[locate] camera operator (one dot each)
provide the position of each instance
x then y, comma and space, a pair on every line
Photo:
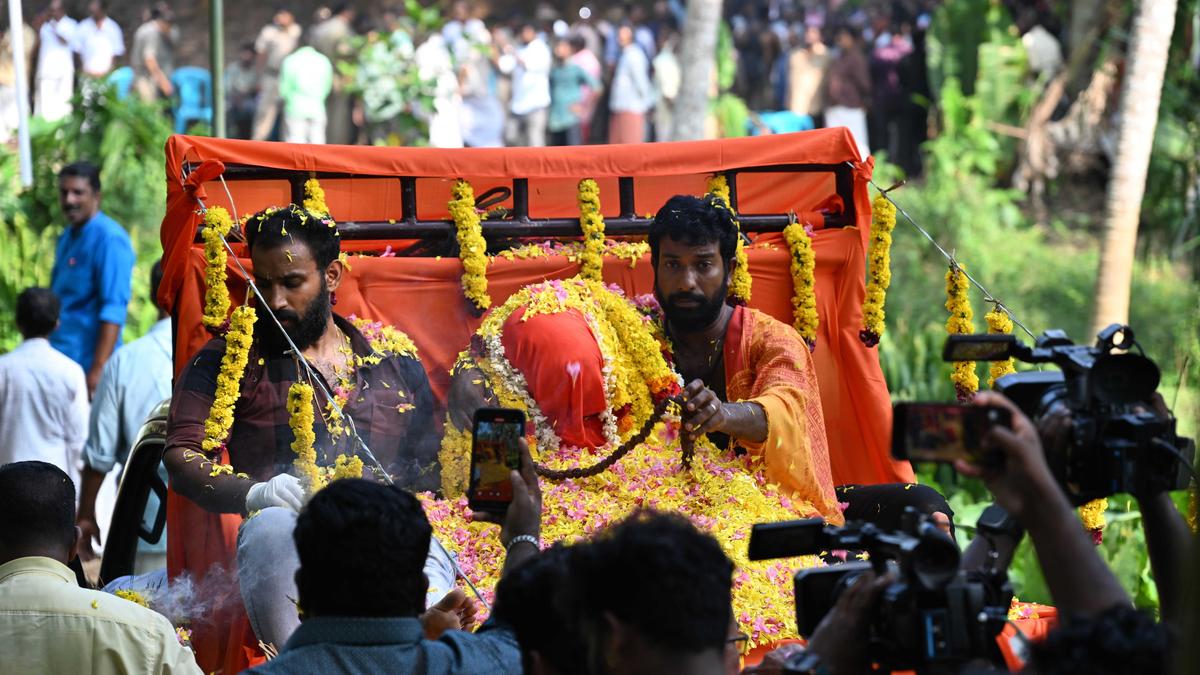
1168, 538
1101, 632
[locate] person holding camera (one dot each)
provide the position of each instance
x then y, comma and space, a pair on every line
1101, 632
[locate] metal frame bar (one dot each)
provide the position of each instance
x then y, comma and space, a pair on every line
519, 224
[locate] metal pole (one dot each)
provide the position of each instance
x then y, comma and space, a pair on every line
16, 24
216, 43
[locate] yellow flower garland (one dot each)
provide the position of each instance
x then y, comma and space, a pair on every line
347, 467
740, 282
300, 419
804, 300
1092, 516
879, 269
217, 224
132, 596
471, 244
314, 198
591, 221
229, 380
966, 381
999, 322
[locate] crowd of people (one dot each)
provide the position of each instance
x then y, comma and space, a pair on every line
605, 74
350, 577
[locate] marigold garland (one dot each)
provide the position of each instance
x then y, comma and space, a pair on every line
740, 282
347, 467
804, 300
1092, 516
999, 323
229, 379
314, 198
132, 596
472, 247
301, 419
591, 221
966, 381
217, 225
879, 269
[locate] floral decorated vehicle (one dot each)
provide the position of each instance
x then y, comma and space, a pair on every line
435, 238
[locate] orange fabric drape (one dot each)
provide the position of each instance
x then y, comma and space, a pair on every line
423, 296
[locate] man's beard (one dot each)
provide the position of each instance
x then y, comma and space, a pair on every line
690, 319
304, 329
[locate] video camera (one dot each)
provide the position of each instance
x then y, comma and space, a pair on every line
934, 617
1117, 444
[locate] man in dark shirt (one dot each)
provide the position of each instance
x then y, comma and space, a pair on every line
382, 388
372, 372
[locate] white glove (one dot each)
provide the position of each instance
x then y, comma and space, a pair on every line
282, 490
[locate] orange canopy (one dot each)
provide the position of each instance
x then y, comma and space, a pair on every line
422, 296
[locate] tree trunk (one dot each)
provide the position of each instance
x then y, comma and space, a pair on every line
697, 52
1153, 23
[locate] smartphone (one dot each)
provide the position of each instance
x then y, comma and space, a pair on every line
943, 432
495, 451
786, 539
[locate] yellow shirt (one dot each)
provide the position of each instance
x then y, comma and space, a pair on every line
51, 625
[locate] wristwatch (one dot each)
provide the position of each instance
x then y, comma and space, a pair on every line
996, 521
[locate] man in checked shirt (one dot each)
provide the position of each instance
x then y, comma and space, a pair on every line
379, 384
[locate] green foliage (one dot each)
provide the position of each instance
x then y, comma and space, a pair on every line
1046, 276
21, 249
1170, 220
397, 100
957, 30
125, 139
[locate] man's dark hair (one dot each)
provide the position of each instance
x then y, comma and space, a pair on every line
37, 507
657, 573
37, 312
1118, 640
82, 169
695, 221
362, 548
532, 599
577, 42
274, 227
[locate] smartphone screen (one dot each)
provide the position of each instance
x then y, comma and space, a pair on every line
495, 451
943, 432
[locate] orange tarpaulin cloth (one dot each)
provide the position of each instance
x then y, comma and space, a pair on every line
423, 296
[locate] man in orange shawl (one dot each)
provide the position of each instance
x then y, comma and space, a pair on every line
749, 378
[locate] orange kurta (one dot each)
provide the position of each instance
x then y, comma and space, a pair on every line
767, 362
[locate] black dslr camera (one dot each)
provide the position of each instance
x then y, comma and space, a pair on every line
1117, 444
933, 618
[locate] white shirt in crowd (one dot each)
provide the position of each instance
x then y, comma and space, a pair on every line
98, 45
530, 68
55, 58
43, 407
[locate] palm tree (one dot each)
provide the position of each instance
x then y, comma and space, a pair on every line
697, 50
1153, 23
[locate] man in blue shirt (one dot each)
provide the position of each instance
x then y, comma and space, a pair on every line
93, 263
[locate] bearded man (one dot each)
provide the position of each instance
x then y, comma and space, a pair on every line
750, 379
381, 387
